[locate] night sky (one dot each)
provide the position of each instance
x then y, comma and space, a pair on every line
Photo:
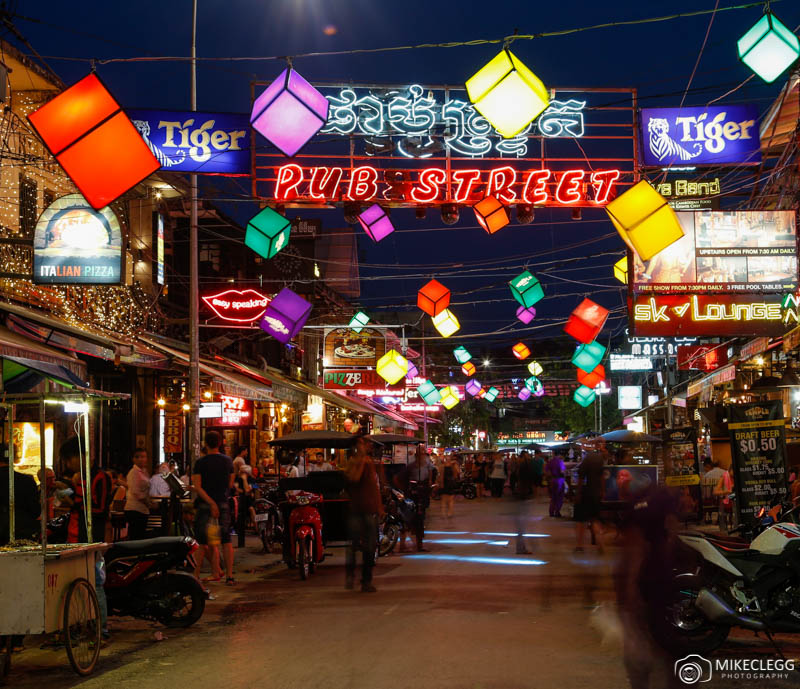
657, 59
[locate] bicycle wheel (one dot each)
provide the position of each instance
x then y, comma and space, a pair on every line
82, 626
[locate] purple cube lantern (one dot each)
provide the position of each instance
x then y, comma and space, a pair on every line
524, 394
413, 371
539, 391
286, 315
526, 315
289, 112
473, 387
375, 222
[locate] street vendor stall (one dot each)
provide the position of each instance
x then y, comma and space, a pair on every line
46, 588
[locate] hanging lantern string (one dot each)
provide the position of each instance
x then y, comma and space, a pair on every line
421, 46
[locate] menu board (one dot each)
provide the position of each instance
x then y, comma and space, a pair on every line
682, 470
758, 450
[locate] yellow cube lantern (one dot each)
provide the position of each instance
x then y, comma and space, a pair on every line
468, 369
392, 366
644, 220
450, 397
621, 270
446, 323
507, 94
535, 368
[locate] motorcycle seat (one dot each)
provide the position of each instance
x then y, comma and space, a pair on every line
148, 545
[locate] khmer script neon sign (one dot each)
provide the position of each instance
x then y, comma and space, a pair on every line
415, 124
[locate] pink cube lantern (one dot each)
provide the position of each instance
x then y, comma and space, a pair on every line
526, 315
473, 387
375, 222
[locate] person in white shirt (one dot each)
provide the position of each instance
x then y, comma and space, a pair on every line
296, 470
159, 488
320, 464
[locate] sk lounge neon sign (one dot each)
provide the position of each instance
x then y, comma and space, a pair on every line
238, 306
539, 186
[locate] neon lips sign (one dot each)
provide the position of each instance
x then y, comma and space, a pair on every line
539, 186
238, 306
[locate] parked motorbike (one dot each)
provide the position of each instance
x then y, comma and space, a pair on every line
303, 540
143, 580
734, 584
399, 516
268, 519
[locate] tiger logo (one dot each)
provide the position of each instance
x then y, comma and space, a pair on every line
662, 145
143, 127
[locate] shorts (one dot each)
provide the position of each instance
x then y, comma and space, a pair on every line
587, 510
203, 518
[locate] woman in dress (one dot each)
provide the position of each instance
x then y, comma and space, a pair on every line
448, 485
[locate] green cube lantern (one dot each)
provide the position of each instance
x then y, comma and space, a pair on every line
462, 355
358, 322
491, 394
588, 356
584, 396
267, 233
527, 289
768, 48
429, 392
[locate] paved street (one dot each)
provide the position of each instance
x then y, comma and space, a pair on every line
441, 620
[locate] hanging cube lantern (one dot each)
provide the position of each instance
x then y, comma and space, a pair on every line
481, 392
588, 356
286, 315
593, 377
375, 222
491, 394
644, 220
446, 323
468, 369
450, 396
621, 270
358, 321
521, 351
586, 321
584, 396
289, 112
527, 290
267, 232
433, 298
473, 387
429, 392
539, 391
413, 371
526, 315
768, 48
392, 366
533, 384
507, 93
462, 355
535, 368
524, 394
491, 214
94, 141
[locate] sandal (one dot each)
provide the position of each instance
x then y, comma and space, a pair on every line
230, 581
218, 578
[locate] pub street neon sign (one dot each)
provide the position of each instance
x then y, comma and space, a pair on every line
539, 186
238, 306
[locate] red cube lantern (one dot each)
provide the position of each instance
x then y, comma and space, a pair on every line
586, 321
491, 214
94, 141
598, 375
433, 298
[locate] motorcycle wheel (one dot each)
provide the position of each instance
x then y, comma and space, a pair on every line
184, 600
470, 493
312, 557
681, 628
301, 558
387, 539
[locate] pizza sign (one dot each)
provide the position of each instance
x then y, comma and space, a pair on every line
363, 382
346, 348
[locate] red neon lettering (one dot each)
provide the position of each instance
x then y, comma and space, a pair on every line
363, 183
325, 182
603, 181
287, 181
500, 181
397, 182
536, 187
466, 179
568, 190
429, 181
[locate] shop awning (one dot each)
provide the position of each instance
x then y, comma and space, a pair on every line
15, 345
22, 375
779, 125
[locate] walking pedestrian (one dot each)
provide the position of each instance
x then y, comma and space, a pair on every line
556, 480
479, 474
366, 508
448, 485
415, 481
137, 497
497, 475
525, 488
212, 478
537, 470
513, 472
590, 493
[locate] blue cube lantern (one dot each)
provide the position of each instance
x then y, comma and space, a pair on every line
584, 396
527, 289
588, 356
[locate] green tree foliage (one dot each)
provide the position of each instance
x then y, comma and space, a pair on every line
569, 416
460, 422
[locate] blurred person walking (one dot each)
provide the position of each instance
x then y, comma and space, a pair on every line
556, 480
590, 494
497, 475
448, 484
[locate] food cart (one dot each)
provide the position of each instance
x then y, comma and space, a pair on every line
47, 588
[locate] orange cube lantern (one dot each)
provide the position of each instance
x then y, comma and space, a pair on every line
94, 141
468, 369
521, 351
491, 214
586, 321
593, 378
433, 298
